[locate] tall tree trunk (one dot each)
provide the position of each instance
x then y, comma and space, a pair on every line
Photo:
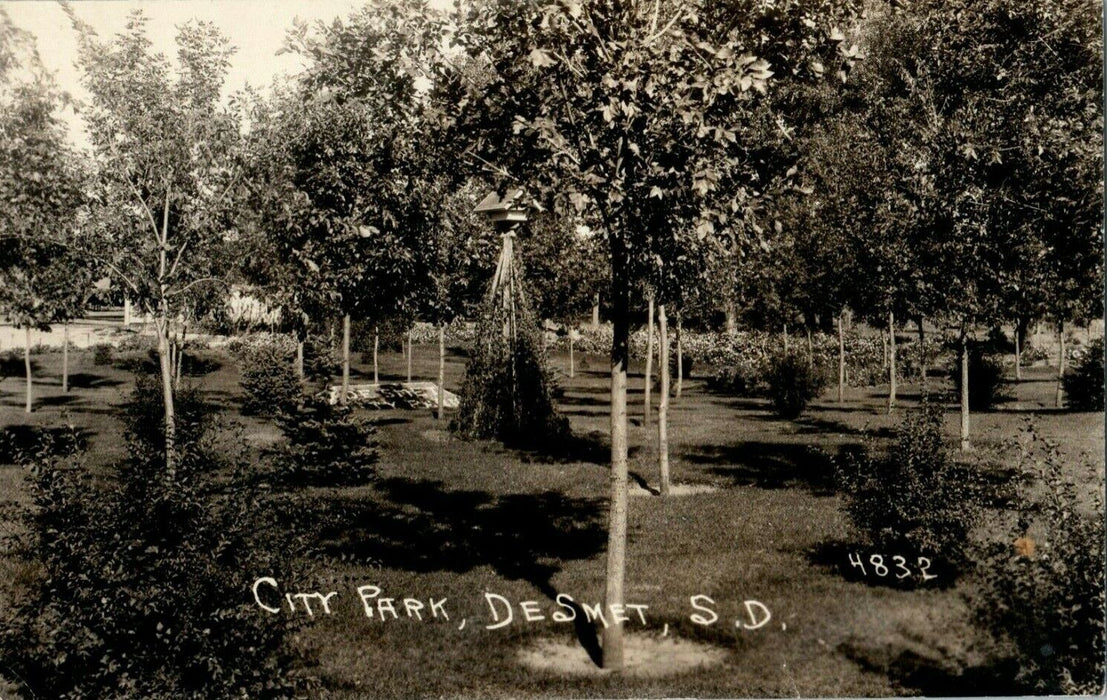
126, 312
731, 319
27, 366
648, 381
663, 402
1061, 363
680, 355
617, 515
1018, 352
923, 379
65, 357
376, 346
841, 361
572, 362
785, 338
810, 348
345, 359
596, 311
410, 351
300, 359
891, 361
441, 371
964, 386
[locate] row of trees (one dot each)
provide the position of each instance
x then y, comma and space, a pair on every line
940, 162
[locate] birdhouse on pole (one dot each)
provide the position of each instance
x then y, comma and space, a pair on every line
507, 210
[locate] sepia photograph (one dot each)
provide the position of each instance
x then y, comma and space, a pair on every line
551, 349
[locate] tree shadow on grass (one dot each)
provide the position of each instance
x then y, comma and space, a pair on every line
591, 448
821, 426
930, 677
417, 525
769, 465
86, 380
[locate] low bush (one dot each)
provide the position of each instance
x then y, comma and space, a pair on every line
269, 381
987, 387
1083, 382
20, 443
325, 445
142, 589
1031, 354
793, 379
101, 354
912, 500
1042, 580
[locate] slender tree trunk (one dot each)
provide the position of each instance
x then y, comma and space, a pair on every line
300, 359
891, 361
376, 347
167, 397
345, 359
883, 351
663, 402
841, 361
785, 338
441, 371
649, 366
923, 379
180, 357
680, 355
410, 351
810, 348
1018, 353
964, 386
27, 366
572, 362
65, 357
617, 516
596, 311
126, 312
1061, 363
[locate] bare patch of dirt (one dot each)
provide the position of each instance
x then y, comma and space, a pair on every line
645, 656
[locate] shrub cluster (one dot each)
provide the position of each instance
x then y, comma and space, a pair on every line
1042, 582
914, 499
987, 387
269, 380
325, 445
143, 589
1083, 382
793, 379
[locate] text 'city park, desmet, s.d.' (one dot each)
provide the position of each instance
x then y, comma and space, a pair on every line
500, 611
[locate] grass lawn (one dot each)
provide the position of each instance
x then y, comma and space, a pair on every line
456, 520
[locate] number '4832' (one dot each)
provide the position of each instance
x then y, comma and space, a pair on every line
894, 566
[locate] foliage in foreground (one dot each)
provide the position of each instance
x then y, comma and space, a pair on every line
142, 589
1083, 383
1042, 592
913, 500
793, 380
